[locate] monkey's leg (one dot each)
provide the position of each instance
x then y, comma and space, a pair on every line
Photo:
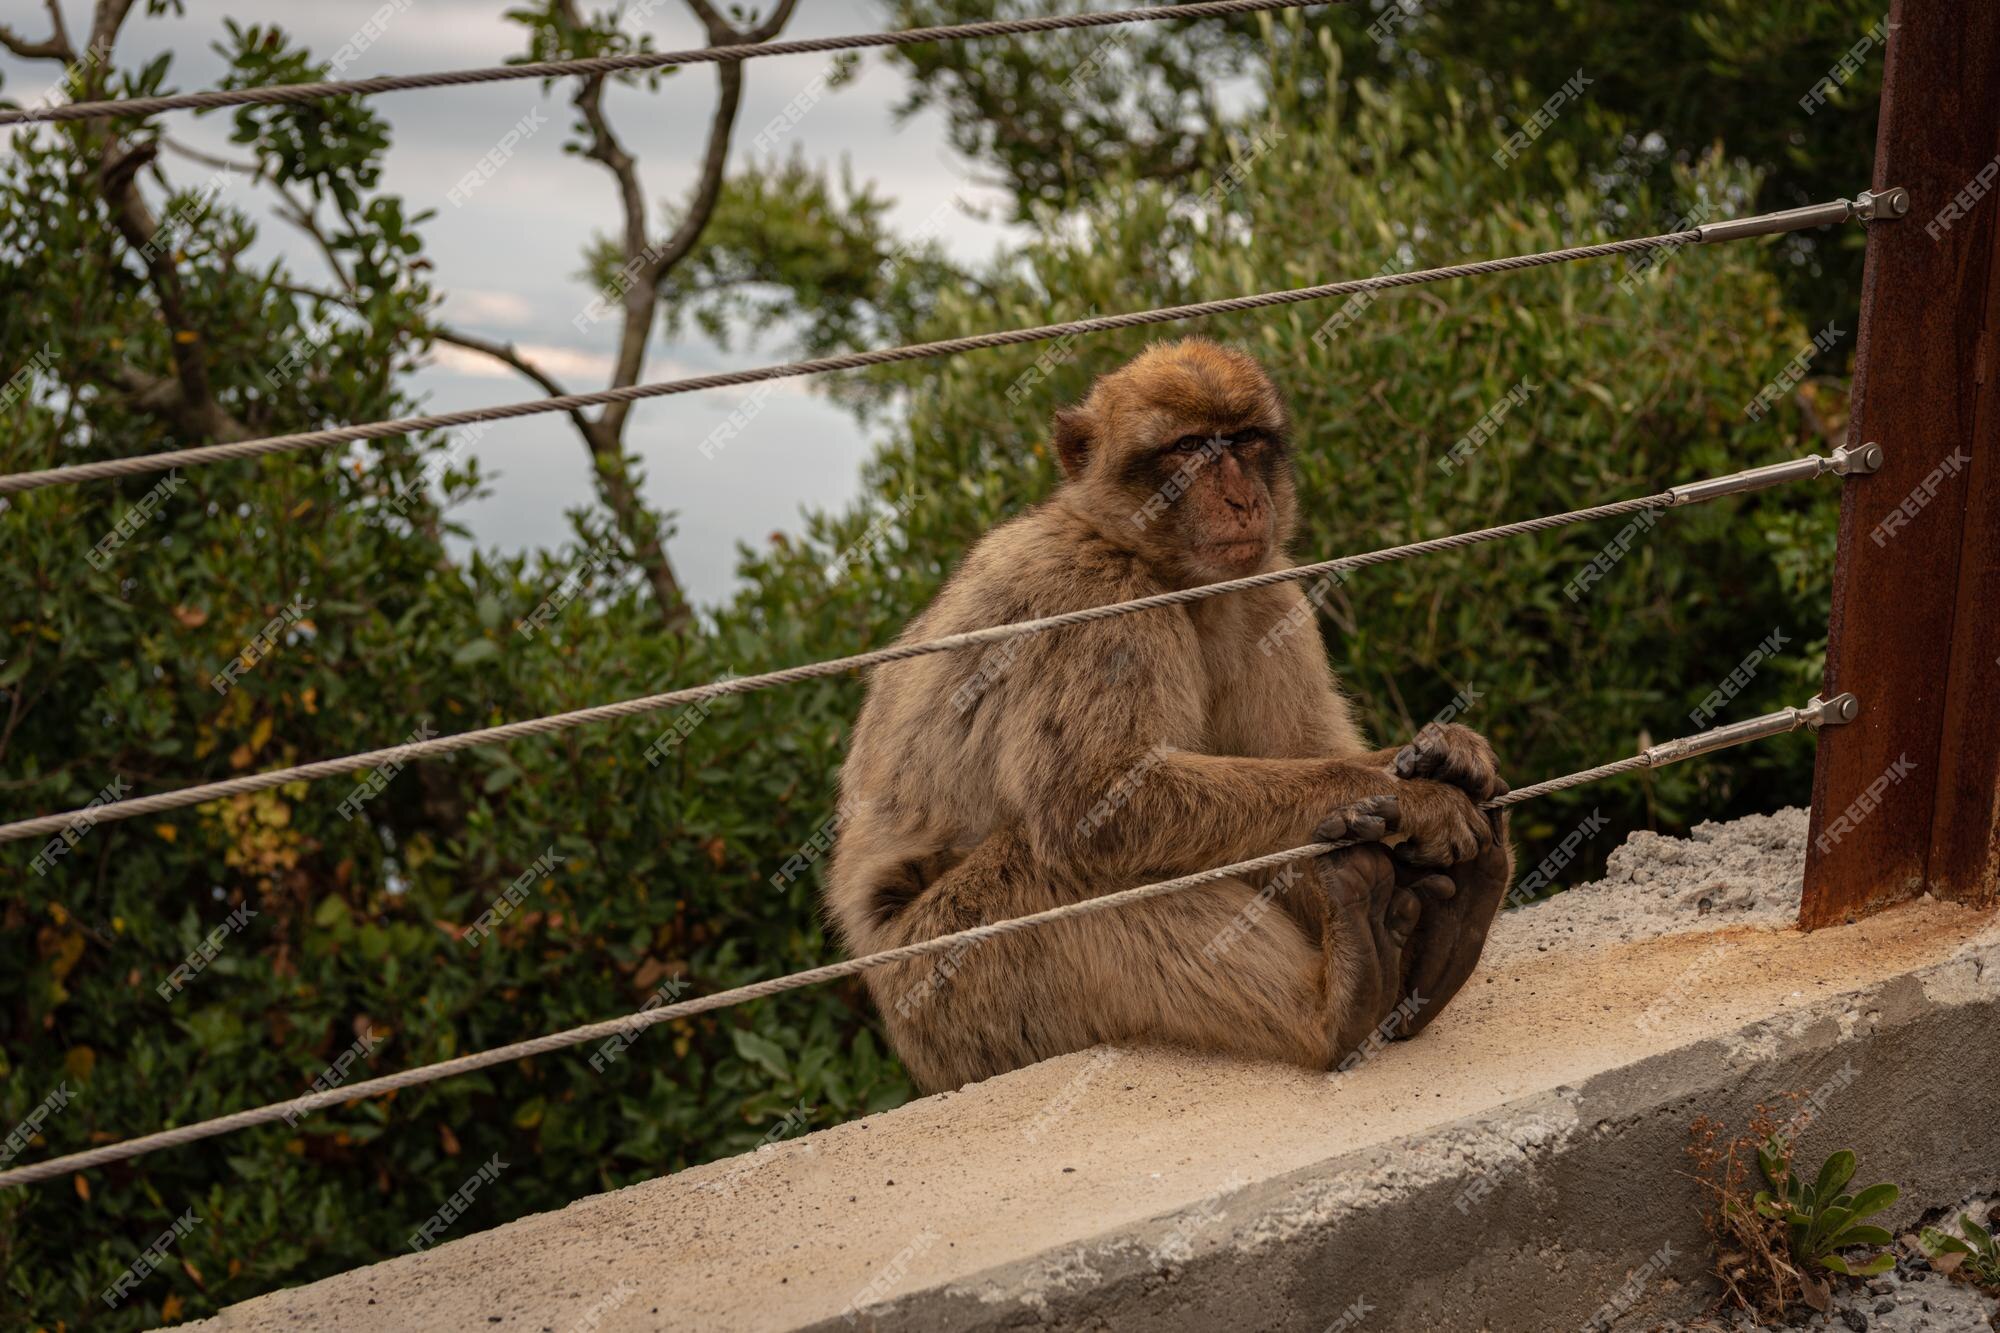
1220, 968
1459, 904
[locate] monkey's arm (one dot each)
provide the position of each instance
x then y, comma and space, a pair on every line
1174, 812
1324, 725
1098, 736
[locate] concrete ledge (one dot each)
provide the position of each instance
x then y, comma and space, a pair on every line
1510, 1169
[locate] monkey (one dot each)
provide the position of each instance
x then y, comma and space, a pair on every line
1067, 764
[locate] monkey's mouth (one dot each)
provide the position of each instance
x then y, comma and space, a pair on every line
1233, 557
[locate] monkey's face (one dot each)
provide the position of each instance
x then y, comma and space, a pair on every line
1183, 454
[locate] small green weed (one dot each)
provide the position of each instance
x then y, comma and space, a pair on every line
1975, 1257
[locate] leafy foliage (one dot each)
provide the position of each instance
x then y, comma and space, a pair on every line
359, 925
1048, 112
1678, 78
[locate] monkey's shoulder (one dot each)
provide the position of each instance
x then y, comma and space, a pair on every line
1042, 562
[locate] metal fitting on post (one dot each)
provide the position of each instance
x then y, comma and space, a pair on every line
1841, 708
1846, 461
1883, 206
1868, 206
1819, 713
1856, 460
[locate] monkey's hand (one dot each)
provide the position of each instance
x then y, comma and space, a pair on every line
1440, 824
1457, 908
1369, 924
1448, 752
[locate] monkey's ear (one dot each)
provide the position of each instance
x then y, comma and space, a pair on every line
1072, 438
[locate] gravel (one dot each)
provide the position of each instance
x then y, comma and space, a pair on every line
1745, 872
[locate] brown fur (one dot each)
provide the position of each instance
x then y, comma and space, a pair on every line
986, 785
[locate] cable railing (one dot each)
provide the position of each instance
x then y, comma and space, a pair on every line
1864, 208
636, 62
1816, 714
1845, 462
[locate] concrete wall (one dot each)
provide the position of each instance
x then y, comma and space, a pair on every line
1519, 1166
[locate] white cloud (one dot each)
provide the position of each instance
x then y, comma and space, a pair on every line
562, 362
484, 307
584, 370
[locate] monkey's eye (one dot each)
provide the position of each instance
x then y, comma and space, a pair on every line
1187, 444
1252, 436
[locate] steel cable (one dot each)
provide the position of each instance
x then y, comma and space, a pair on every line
635, 63
239, 449
638, 61
71, 824
134, 807
632, 1024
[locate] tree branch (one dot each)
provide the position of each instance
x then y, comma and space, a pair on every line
507, 354
295, 212
164, 396
605, 148
642, 299
56, 22
135, 222
104, 26
194, 409
773, 25
55, 48
708, 190
216, 160
721, 32
645, 266
504, 352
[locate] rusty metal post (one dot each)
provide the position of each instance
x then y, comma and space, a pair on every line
1904, 799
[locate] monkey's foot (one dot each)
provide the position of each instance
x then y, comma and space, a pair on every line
1457, 908
1370, 921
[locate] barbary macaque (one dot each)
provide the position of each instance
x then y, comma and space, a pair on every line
1072, 763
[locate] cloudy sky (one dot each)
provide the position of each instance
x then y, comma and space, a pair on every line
507, 258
